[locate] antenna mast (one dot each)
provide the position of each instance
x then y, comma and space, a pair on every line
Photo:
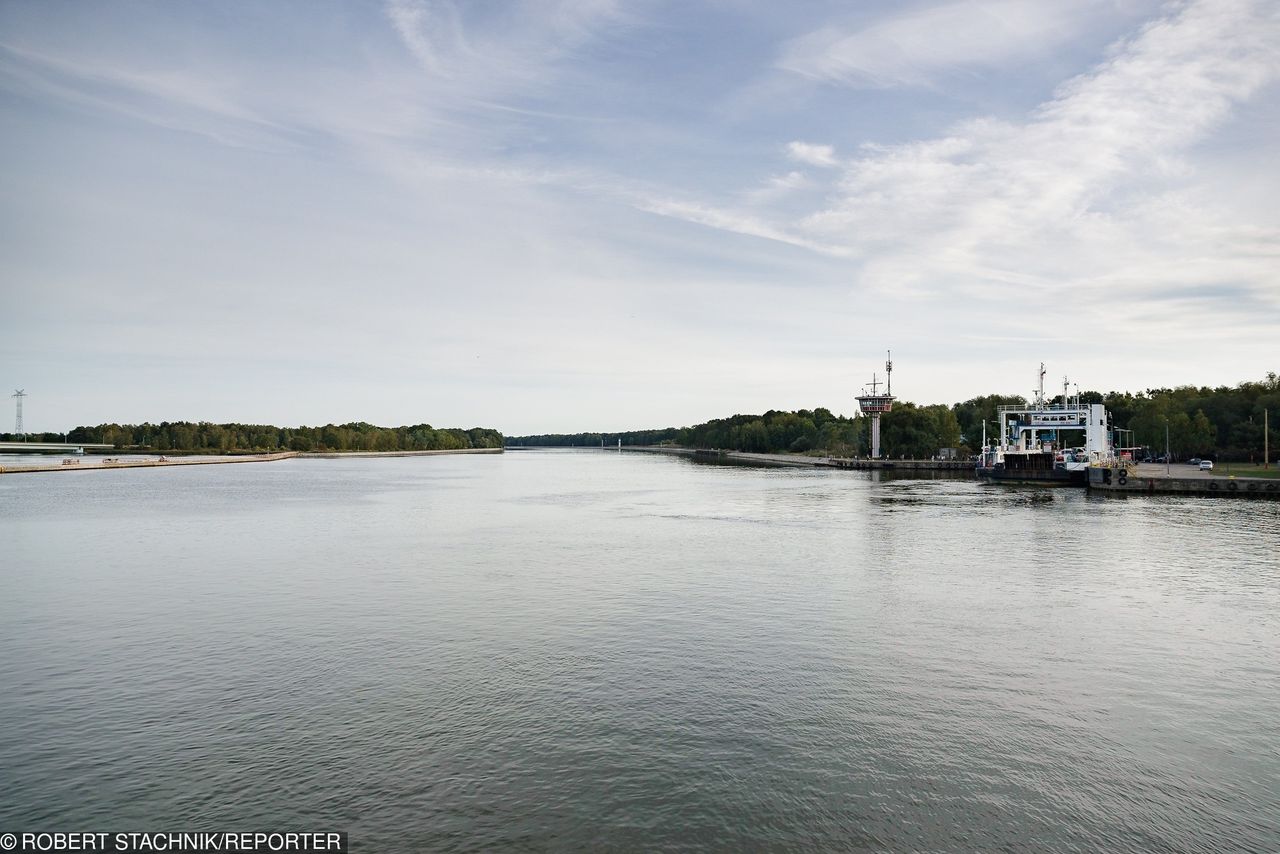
18, 394
874, 404
888, 372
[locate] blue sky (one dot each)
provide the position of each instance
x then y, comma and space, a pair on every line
559, 216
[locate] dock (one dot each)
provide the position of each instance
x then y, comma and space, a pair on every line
1179, 479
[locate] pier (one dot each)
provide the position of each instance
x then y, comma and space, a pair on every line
1179, 479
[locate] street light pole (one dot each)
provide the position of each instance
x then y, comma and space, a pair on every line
1166, 446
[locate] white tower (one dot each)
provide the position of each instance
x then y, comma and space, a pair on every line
874, 403
17, 422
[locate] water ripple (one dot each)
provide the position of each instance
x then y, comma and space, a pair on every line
587, 651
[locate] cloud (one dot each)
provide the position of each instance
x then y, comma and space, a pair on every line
178, 99
737, 222
430, 31
1096, 193
500, 51
813, 155
435, 151
911, 49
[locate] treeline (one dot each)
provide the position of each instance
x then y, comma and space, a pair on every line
909, 430
204, 437
1224, 423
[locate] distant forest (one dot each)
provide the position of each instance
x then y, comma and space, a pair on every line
203, 437
1223, 423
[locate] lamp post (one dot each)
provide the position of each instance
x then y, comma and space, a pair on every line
1166, 446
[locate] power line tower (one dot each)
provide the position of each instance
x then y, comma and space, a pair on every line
18, 395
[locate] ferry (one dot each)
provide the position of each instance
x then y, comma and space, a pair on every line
1048, 443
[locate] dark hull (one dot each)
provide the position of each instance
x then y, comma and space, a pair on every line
1049, 475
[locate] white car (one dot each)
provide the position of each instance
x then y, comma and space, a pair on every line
1206, 465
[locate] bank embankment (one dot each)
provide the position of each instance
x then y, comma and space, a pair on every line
803, 460
95, 463
101, 463
331, 455
711, 454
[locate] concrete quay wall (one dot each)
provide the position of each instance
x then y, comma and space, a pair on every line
803, 460
1155, 480
905, 465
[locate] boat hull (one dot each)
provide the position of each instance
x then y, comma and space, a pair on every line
1056, 477
1038, 468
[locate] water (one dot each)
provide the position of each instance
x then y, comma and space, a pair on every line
568, 650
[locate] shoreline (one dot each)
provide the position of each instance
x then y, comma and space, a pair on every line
333, 455
107, 463
804, 460
781, 460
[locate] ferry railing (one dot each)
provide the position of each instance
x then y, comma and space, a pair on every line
1054, 407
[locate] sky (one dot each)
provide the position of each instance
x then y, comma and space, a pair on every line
573, 215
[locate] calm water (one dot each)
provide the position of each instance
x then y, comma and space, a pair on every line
592, 651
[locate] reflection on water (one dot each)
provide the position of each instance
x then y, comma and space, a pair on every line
599, 650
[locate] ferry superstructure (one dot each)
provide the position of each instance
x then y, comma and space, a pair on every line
1047, 442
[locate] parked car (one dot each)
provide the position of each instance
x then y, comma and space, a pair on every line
1206, 465
1195, 461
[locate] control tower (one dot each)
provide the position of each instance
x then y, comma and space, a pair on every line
874, 403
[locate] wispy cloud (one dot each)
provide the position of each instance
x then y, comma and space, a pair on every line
738, 222
537, 150
811, 154
910, 49
504, 50
167, 97
1080, 196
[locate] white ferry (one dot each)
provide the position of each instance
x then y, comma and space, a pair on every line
1047, 443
